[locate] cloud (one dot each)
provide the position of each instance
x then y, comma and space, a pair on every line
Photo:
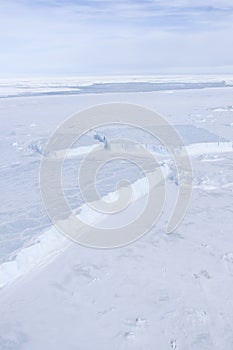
115, 37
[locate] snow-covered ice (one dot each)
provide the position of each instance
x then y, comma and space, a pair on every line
161, 292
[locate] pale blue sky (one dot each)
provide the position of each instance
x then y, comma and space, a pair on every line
106, 37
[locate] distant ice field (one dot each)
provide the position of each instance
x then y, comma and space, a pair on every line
78, 85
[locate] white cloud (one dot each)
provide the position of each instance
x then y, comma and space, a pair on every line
106, 37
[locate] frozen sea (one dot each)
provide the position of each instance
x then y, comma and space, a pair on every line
162, 292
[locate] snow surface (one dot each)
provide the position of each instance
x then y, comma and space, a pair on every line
161, 292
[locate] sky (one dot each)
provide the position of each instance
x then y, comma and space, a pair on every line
115, 37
